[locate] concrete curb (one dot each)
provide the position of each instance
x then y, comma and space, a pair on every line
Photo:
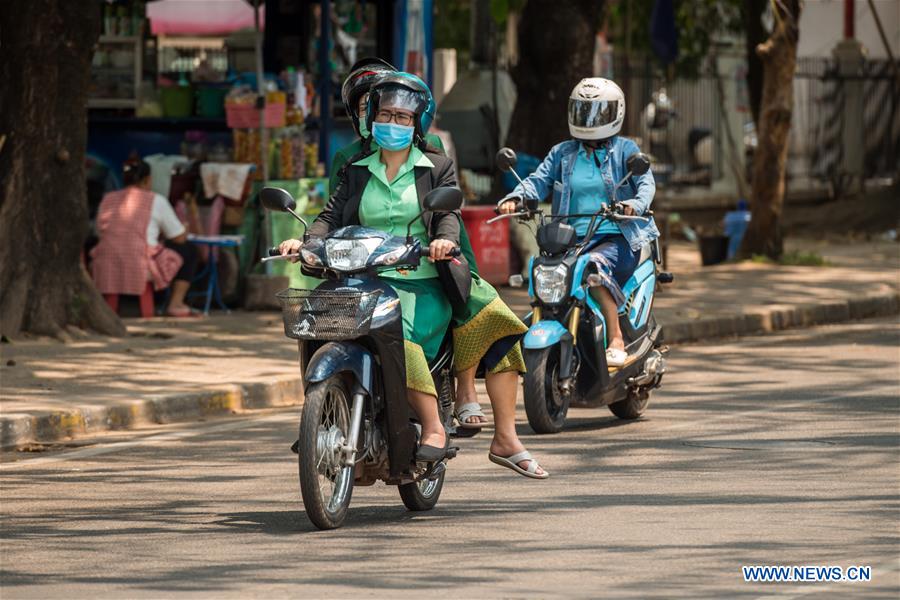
21, 429
776, 318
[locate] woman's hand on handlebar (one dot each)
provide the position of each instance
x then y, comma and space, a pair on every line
627, 208
290, 247
510, 206
441, 249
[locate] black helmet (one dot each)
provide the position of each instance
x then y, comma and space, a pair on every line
362, 75
404, 91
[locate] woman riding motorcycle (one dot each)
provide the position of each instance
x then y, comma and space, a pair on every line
355, 94
582, 173
384, 190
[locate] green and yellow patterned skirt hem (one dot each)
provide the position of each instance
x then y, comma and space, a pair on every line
418, 375
486, 332
426, 316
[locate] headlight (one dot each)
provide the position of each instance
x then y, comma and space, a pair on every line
389, 258
550, 282
349, 255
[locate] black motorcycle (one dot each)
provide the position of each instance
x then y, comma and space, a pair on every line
356, 427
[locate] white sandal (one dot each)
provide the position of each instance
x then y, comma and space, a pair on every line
466, 412
512, 462
616, 357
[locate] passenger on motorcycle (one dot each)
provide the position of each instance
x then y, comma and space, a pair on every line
355, 95
582, 173
384, 190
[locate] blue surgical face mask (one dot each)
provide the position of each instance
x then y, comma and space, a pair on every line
391, 136
363, 130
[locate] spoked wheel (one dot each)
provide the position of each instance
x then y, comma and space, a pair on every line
545, 405
326, 485
422, 494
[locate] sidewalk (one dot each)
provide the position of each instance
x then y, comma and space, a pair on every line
178, 370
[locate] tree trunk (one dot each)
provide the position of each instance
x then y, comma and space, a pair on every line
556, 51
45, 70
779, 57
755, 34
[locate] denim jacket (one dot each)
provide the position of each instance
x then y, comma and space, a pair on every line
555, 172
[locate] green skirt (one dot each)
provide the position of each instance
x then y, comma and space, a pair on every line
426, 316
486, 332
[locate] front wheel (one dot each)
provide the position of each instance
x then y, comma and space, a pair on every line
325, 483
545, 405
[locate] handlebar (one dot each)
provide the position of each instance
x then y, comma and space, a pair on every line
274, 251
425, 252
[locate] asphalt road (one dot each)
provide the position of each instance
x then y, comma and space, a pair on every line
778, 450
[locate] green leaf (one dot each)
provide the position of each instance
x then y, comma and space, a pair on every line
500, 11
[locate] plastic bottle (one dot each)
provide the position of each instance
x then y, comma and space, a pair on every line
736, 222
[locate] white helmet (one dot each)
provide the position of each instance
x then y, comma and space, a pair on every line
596, 109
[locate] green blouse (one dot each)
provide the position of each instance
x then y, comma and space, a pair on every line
390, 205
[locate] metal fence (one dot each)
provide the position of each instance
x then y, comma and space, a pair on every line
820, 110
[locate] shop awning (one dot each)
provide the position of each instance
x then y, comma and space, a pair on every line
200, 17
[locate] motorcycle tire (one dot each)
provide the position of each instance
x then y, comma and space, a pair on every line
326, 485
633, 406
545, 405
422, 495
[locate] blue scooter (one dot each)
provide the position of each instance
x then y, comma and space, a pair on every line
565, 347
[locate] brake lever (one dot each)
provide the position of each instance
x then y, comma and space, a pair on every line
506, 216
279, 257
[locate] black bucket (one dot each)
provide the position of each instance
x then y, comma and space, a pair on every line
713, 249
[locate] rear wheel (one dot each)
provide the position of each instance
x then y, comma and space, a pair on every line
423, 494
326, 485
633, 406
545, 405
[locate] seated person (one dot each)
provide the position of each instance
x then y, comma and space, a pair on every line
130, 223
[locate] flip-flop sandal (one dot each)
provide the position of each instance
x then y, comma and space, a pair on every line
512, 462
467, 411
616, 357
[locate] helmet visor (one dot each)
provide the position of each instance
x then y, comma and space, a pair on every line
403, 99
592, 113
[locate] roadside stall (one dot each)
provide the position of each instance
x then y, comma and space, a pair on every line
201, 86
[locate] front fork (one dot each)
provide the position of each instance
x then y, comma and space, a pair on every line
566, 352
348, 450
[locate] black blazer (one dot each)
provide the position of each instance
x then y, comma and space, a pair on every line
342, 208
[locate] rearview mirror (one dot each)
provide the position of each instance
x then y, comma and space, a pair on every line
443, 199
506, 159
277, 199
638, 164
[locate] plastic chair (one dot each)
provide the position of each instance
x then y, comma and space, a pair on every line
145, 300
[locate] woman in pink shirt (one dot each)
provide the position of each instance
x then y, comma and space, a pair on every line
131, 224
